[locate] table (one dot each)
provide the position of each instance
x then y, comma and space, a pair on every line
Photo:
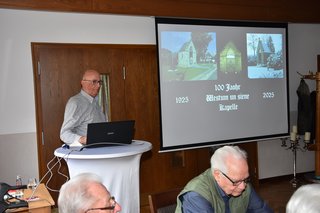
43, 205
118, 166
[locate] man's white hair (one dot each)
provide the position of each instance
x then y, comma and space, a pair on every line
75, 194
218, 159
305, 200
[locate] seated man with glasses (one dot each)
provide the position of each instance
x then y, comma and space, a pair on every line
85, 193
224, 188
81, 109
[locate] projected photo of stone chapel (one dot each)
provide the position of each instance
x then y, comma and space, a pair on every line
265, 55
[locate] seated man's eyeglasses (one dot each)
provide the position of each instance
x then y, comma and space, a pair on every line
113, 205
236, 183
94, 82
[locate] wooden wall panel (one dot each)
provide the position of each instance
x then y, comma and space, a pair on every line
269, 10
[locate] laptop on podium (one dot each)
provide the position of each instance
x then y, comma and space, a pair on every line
110, 133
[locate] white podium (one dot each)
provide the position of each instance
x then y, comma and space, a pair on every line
118, 166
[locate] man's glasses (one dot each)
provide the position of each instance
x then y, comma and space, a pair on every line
113, 205
236, 183
94, 82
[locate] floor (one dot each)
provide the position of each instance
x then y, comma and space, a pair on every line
276, 191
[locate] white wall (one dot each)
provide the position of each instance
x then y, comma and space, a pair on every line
18, 156
17, 104
304, 46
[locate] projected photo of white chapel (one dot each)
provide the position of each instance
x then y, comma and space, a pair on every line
221, 82
188, 56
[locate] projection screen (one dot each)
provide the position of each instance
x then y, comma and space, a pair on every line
221, 82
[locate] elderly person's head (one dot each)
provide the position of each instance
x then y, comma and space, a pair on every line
85, 193
230, 169
91, 82
305, 200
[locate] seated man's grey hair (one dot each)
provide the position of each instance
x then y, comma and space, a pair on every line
218, 159
74, 195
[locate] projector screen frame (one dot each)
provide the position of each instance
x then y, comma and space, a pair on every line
233, 24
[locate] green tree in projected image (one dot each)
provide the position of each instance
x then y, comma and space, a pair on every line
188, 56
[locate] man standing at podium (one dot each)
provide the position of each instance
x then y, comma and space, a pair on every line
82, 109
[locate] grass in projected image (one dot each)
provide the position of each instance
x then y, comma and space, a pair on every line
196, 72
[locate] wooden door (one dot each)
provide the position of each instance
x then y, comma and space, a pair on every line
141, 92
58, 71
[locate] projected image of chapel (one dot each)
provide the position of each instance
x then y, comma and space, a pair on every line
188, 56
230, 59
265, 55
